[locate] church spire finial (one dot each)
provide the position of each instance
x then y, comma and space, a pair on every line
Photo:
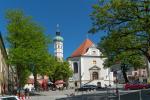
57, 26
57, 30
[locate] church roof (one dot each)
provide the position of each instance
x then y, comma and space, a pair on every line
82, 48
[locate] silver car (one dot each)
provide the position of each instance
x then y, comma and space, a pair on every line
9, 98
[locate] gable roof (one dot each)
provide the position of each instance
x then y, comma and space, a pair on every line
94, 68
82, 48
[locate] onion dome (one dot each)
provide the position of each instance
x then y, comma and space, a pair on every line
58, 38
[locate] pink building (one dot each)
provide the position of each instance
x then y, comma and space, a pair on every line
137, 74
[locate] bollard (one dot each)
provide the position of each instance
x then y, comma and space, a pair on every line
107, 93
117, 91
28, 98
23, 97
140, 95
118, 95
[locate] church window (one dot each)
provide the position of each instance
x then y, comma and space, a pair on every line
94, 61
95, 75
75, 65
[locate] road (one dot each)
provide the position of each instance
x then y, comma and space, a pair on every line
137, 95
94, 95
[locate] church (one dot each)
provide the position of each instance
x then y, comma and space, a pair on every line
85, 62
88, 67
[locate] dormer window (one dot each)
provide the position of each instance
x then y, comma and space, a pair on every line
93, 52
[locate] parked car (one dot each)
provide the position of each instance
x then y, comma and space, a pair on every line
134, 86
9, 98
87, 88
32, 90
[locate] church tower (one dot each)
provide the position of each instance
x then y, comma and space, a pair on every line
58, 44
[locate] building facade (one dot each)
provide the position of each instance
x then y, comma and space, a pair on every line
88, 66
139, 74
3, 68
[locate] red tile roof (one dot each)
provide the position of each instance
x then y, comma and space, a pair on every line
82, 49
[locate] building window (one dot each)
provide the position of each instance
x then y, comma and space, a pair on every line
75, 65
94, 61
144, 73
95, 75
135, 73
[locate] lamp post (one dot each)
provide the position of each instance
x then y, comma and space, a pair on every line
109, 77
31, 64
115, 73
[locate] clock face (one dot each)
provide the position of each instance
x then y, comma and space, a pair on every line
94, 61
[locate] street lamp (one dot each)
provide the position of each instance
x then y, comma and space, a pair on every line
115, 73
109, 77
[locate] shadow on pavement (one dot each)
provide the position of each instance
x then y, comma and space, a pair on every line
97, 96
36, 94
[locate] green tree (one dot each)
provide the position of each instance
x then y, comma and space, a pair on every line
126, 23
126, 59
28, 45
58, 70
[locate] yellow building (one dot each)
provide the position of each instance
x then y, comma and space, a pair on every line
3, 68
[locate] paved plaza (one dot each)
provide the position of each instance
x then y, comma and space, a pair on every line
53, 95
93, 95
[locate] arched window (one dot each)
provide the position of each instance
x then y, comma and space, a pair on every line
95, 75
75, 65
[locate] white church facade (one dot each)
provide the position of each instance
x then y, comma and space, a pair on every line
88, 66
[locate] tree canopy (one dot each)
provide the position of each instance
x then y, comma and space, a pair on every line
58, 70
28, 45
126, 23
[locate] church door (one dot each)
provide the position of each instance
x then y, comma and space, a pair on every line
95, 75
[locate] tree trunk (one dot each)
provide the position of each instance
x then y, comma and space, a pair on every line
18, 78
124, 73
125, 76
35, 80
54, 79
147, 66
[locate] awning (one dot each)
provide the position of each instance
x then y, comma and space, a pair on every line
59, 82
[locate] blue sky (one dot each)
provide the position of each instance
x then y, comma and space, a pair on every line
71, 15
